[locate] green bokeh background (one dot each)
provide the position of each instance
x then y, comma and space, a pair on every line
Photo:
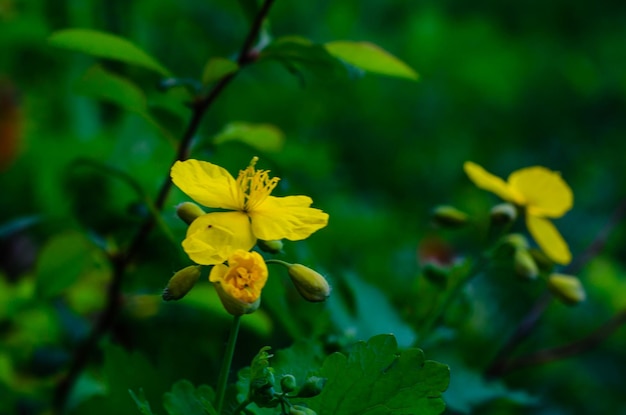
506, 85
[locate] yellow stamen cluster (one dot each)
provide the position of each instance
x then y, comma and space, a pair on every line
255, 185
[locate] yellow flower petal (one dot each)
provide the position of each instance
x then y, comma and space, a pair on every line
487, 181
213, 237
286, 218
549, 239
208, 184
545, 191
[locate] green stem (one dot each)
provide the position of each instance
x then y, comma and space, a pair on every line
228, 359
241, 406
448, 297
278, 261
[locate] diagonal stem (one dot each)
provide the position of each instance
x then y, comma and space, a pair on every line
226, 363
122, 260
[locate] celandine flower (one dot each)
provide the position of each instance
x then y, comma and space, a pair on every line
543, 194
240, 283
253, 214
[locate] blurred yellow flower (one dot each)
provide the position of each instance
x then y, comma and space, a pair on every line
543, 194
252, 213
240, 283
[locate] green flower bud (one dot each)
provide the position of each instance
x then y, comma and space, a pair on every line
567, 288
310, 284
233, 305
503, 214
188, 212
449, 217
312, 387
516, 241
524, 264
288, 383
181, 283
301, 410
271, 247
543, 262
436, 274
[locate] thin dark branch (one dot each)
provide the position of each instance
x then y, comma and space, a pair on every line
527, 325
572, 349
122, 260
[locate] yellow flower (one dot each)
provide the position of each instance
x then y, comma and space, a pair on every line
240, 283
542, 192
252, 213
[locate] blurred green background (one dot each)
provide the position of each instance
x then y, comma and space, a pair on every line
506, 85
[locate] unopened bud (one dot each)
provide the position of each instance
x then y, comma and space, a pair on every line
567, 288
301, 410
516, 241
271, 247
312, 387
188, 212
181, 283
541, 259
525, 265
503, 214
449, 217
310, 284
288, 383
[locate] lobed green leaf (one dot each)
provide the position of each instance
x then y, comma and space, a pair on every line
264, 137
184, 399
377, 379
106, 46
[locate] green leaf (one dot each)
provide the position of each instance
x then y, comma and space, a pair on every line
362, 309
184, 399
469, 389
106, 46
297, 54
371, 58
142, 403
217, 68
375, 378
62, 261
263, 137
101, 84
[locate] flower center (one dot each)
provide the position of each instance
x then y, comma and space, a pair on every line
255, 185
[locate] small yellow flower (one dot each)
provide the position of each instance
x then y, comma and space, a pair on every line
240, 283
251, 212
543, 194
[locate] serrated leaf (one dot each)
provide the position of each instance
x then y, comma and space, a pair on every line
101, 84
106, 46
142, 403
184, 399
217, 68
62, 261
377, 379
371, 58
264, 137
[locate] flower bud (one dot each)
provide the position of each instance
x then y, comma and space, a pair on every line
288, 383
188, 212
567, 288
503, 214
271, 247
524, 264
449, 217
310, 284
312, 387
181, 283
516, 241
301, 410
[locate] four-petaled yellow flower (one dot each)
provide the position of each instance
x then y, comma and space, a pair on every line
252, 213
239, 283
543, 194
